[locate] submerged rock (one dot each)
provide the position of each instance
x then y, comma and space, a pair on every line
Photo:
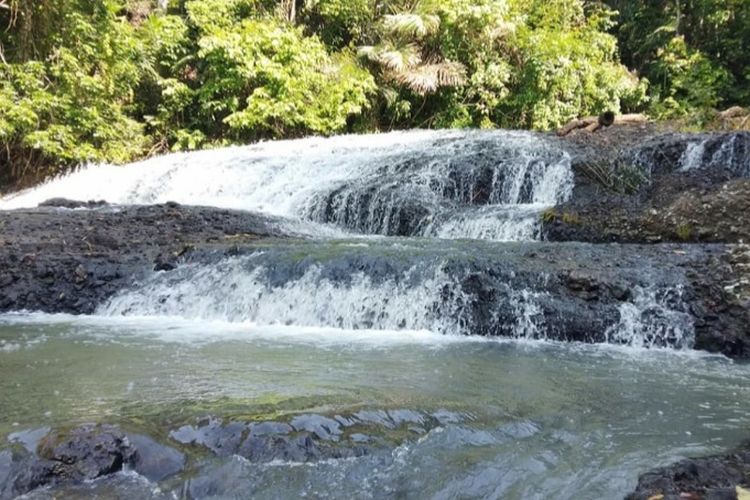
153, 460
309, 438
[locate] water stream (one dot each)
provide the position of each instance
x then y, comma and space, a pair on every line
361, 318
449, 184
530, 419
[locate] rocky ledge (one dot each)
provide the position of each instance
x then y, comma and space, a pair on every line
668, 188
57, 258
63, 260
721, 477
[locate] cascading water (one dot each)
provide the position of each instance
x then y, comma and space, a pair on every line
383, 286
729, 152
342, 363
447, 184
725, 156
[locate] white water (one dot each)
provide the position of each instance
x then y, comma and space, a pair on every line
238, 290
731, 153
363, 181
227, 291
649, 321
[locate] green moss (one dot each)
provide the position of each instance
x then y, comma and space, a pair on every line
684, 232
551, 215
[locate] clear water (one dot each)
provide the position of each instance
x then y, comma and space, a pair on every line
535, 419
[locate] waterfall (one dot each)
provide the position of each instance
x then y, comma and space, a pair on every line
369, 289
446, 184
720, 156
730, 152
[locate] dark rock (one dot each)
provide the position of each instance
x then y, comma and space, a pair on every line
62, 460
71, 204
222, 439
700, 478
323, 427
72, 261
153, 460
87, 452
310, 438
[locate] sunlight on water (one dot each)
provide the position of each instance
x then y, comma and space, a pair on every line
401, 183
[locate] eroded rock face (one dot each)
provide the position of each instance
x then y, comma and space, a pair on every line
669, 188
699, 478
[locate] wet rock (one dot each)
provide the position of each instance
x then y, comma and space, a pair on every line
300, 448
153, 460
308, 438
87, 452
323, 427
227, 480
266, 428
671, 188
6, 462
700, 478
72, 261
29, 439
71, 204
61, 460
222, 439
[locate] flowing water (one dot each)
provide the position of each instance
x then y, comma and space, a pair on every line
450, 184
526, 419
378, 327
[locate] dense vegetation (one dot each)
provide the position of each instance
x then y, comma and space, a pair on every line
113, 80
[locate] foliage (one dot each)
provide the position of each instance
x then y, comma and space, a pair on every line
695, 53
71, 106
113, 80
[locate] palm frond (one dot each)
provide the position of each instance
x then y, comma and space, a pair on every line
428, 78
411, 25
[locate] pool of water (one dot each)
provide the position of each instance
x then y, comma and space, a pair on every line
533, 419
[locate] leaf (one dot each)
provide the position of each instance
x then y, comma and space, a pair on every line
411, 25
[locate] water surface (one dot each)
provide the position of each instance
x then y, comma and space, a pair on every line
529, 419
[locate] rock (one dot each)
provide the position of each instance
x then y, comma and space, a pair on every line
323, 427
309, 438
71, 204
29, 439
87, 452
223, 440
6, 463
153, 460
62, 460
71, 261
701, 478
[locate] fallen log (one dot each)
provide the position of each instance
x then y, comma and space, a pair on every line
606, 119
